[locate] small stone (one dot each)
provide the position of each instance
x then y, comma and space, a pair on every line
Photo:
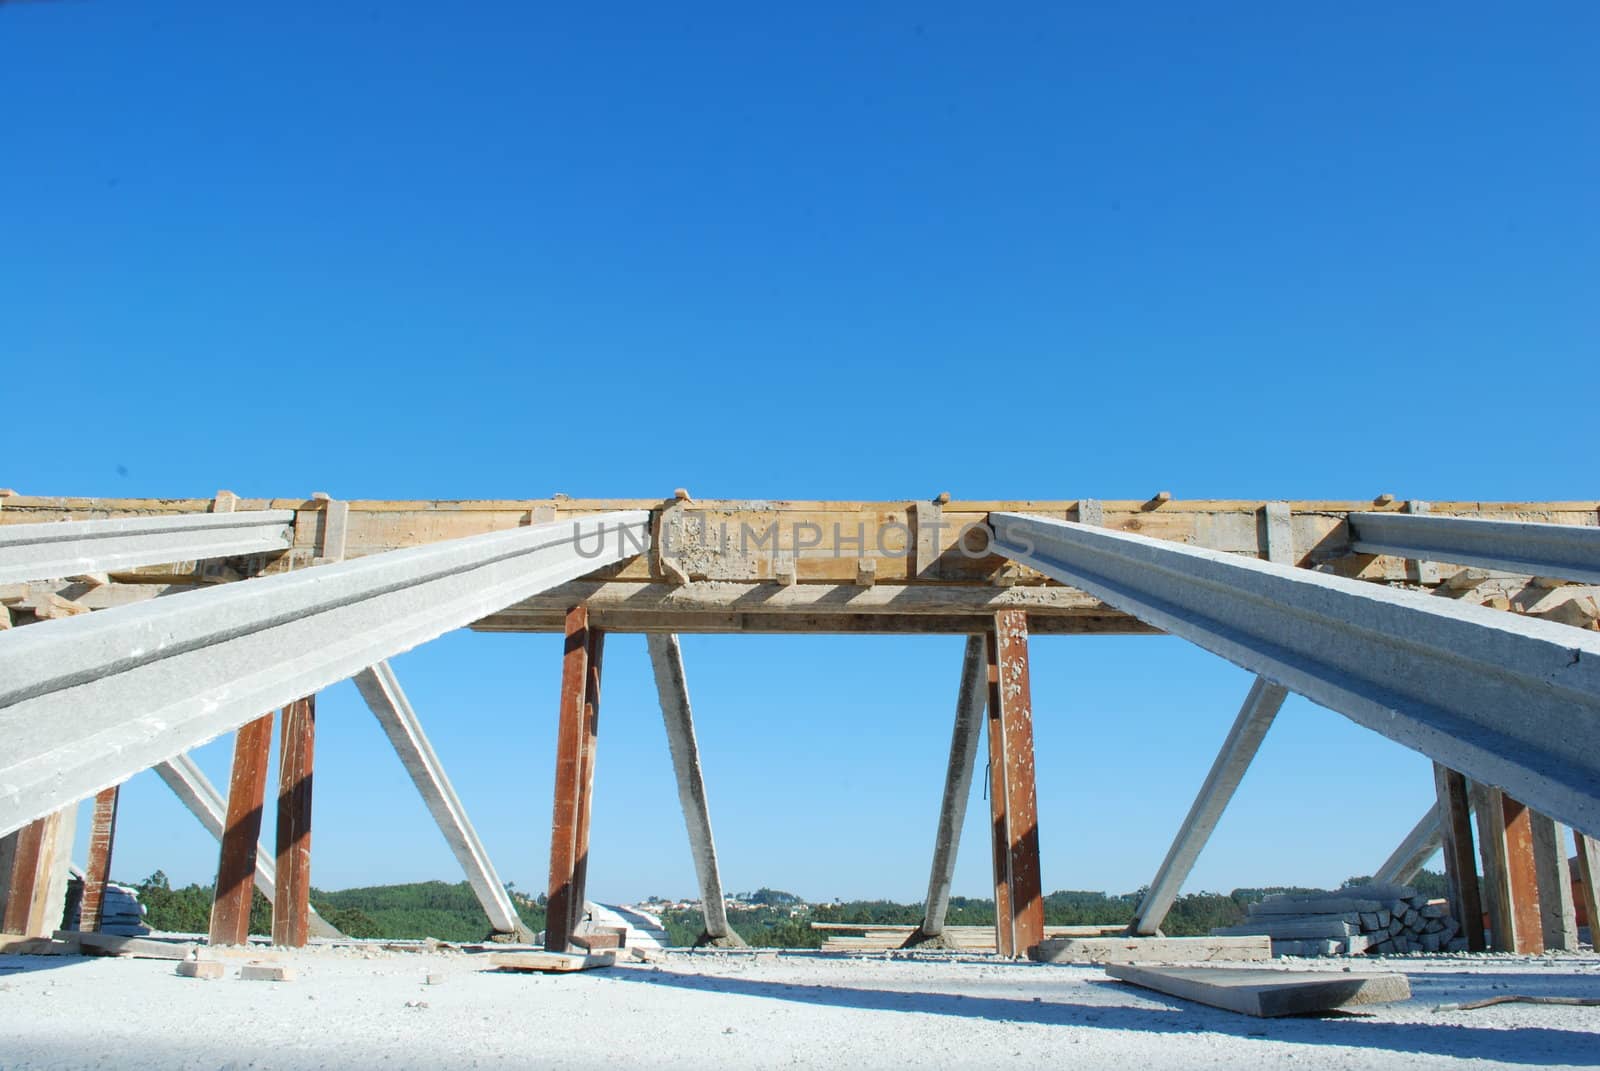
266, 972
435, 978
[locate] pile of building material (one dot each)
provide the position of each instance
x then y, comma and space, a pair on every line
1380, 919
121, 913
875, 937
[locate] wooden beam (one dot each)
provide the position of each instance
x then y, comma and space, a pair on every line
1528, 926
1489, 804
1588, 849
1460, 865
1019, 898
1558, 923
291, 903
570, 734
236, 867
102, 838
591, 737
24, 874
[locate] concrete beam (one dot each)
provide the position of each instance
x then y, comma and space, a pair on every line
87, 701
46, 551
381, 689
1406, 861
1567, 551
666, 660
1505, 700
1261, 706
964, 738
195, 790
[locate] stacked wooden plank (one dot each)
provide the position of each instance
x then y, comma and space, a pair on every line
1379, 919
865, 937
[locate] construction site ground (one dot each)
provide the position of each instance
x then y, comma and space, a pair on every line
357, 1006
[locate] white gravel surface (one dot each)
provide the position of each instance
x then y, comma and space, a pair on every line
357, 1008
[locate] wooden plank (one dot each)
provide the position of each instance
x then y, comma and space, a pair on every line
549, 962
106, 944
591, 739
1524, 878
1153, 949
1558, 922
236, 867
1488, 804
1460, 865
102, 838
291, 901
1588, 906
24, 875
1019, 897
1266, 993
570, 734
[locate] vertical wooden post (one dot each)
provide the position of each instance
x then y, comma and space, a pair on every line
1558, 923
1524, 877
1460, 865
102, 838
24, 876
570, 734
1019, 898
291, 901
1589, 870
591, 734
236, 868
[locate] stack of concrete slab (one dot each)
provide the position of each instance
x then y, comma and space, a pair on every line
121, 913
1380, 919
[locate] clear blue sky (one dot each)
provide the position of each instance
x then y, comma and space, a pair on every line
872, 251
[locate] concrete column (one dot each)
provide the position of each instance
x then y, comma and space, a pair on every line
666, 659
291, 903
1255, 717
1460, 866
247, 787
957, 787
102, 838
1019, 898
381, 689
1558, 920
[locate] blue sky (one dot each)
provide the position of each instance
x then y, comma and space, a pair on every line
870, 251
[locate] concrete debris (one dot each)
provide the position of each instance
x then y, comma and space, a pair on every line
210, 970
266, 972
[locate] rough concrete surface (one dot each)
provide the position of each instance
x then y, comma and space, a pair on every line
370, 1009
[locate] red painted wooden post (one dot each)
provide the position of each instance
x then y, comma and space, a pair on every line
1524, 879
236, 869
24, 877
1019, 898
570, 734
291, 907
591, 734
102, 838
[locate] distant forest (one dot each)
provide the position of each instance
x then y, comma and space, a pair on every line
775, 919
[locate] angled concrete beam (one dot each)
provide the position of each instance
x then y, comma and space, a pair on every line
1508, 701
46, 551
964, 740
1261, 706
87, 701
1567, 551
381, 689
666, 660
195, 790
1405, 862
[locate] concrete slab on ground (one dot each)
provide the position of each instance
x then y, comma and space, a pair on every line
1263, 992
1153, 949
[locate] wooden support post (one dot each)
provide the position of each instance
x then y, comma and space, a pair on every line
24, 873
1558, 922
291, 901
102, 838
591, 736
1460, 865
1505, 840
1588, 870
571, 733
236, 868
1019, 898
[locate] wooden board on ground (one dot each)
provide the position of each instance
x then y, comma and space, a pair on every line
1153, 949
15, 944
1266, 993
549, 962
105, 944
